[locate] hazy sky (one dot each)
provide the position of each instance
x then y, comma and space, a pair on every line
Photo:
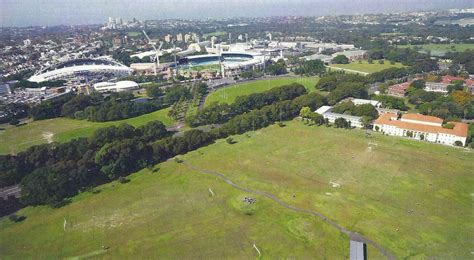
54, 12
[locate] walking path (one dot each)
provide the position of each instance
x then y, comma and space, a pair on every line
349, 70
353, 235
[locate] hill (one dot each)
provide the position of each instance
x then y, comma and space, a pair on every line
374, 186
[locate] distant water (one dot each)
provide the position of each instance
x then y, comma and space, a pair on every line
54, 12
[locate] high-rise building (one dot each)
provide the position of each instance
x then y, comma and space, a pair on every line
179, 37
168, 38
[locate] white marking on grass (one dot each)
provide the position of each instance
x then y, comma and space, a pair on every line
307, 151
328, 193
212, 193
65, 224
48, 136
256, 248
335, 184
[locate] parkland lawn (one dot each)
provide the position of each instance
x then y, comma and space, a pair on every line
412, 198
16, 139
366, 67
229, 94
441, 49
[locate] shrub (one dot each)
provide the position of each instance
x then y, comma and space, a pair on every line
448, 126
16, 218
123, 180
230, 140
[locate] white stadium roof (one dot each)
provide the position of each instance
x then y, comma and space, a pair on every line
68, 69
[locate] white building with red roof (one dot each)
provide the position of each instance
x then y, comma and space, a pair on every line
442, 86
398, 90
421, 127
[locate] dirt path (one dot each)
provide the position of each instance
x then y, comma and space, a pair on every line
352, 235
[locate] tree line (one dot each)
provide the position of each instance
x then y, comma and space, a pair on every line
95, 107
218, 113
52, 172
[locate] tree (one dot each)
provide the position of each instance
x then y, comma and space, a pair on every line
461, 97
311, 68
176, 93
365, 120
14, 121
305, 112
340, 59
277, 68
341, 123
418, 84
153, 91
316, 118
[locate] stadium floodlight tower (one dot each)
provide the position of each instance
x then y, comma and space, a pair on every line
157, 52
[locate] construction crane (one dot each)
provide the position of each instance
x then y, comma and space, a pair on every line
157, 52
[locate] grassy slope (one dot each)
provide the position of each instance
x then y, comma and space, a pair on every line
440, 49
169, 214
15, 139
366, 67
228, 94
379, 188
411, 197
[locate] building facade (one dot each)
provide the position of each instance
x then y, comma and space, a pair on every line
421, 127
326, 112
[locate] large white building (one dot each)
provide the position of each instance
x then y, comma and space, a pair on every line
326, 112
115, 86
421, 127
359, 101
73, 68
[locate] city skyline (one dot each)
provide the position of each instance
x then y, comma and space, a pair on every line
49, 13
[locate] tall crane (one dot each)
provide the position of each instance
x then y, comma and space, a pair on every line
157, 52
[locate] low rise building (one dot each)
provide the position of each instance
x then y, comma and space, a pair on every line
442, 86
398, 90
353, 55
421, 127
326, 112
115, 86
359, 101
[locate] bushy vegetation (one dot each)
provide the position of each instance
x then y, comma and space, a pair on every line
100, 108
52, 172
454, 106
391, 102
365, 110
220, 113
310, 68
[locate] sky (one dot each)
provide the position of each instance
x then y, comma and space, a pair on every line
78, 12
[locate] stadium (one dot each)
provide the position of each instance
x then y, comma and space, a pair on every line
102, 66
231, 63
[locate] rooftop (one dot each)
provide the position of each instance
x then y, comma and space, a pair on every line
460, 129
420, 117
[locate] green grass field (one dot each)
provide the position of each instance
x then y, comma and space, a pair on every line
228, 94
16, 139
134, 34
366, 67
412, 198
211, 67
441, 49
216, 33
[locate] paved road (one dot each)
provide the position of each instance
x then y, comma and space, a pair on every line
5, 192
353, 235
